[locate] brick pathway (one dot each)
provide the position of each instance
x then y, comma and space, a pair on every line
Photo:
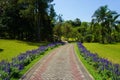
60, 64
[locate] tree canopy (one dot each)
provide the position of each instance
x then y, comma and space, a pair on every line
36, 20
108, 20
27, 19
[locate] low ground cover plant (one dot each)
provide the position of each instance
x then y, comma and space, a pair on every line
12, 69
107, 69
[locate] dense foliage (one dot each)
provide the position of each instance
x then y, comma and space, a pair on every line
67, 29
108, 22
104, 67
35, 20
31, 20
12, 69
104, 28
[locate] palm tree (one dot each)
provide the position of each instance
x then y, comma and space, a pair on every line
108, 21
100, 16
112, 23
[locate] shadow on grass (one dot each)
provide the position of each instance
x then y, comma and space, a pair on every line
37, 44
34, 43
112, 43
1, 50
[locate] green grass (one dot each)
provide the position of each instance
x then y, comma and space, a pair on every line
90, 68
12, 48
109, 51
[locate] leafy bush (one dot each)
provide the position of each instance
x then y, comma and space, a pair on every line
89, 38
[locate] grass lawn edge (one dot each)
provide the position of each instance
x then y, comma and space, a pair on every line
34, 62
89, 68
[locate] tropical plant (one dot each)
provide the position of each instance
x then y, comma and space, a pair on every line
108, 21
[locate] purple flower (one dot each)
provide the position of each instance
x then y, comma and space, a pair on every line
100, 63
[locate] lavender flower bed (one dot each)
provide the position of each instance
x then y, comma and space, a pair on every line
12, 69
104, 67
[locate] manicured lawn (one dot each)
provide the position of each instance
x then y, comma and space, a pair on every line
109, 51
12, 48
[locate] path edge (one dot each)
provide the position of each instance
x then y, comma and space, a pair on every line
34, 67
80, 62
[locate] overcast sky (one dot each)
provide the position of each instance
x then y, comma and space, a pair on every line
83, 9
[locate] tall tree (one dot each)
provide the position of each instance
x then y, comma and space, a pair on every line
27, 19
11, 18
112, 23
57, 32
100, 17
67, 30
77, 22
107, 19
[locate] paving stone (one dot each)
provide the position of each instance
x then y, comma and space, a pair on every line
60, 64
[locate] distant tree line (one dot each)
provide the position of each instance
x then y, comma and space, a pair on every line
104, 28
31, 20
36, 20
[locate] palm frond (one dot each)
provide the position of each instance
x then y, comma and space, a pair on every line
115, 17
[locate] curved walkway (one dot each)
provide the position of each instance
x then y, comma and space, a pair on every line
60, 64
